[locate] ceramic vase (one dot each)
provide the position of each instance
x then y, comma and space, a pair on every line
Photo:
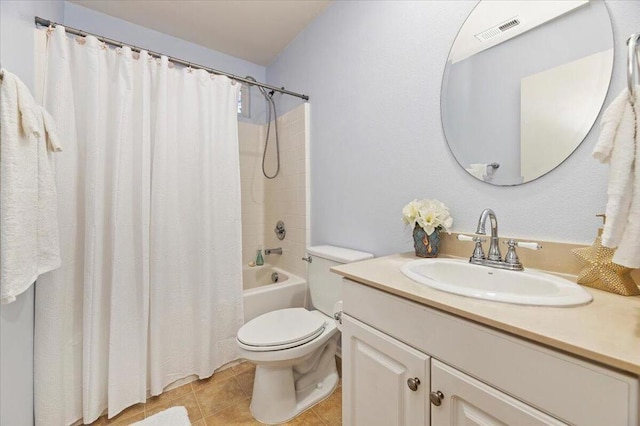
426, 245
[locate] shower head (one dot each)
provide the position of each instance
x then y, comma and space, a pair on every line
264, 92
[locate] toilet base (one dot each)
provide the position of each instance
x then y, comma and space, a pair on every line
280, 393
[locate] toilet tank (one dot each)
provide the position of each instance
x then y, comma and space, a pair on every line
325, 286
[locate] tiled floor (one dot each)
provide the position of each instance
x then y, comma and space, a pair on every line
223, 399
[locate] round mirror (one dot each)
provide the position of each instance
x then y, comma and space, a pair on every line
523, 85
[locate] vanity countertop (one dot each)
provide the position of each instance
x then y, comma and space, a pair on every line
607, 330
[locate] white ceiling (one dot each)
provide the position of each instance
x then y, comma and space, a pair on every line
489, 14
254, 30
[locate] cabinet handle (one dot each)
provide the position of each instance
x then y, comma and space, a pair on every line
413, 383
436, 398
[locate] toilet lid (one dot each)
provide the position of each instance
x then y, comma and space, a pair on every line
282, 328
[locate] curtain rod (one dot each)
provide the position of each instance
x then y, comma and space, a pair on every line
47, 23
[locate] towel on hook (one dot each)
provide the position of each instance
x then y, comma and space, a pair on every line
478, 170
28, 201
618, 147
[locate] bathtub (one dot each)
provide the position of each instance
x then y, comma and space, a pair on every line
262, 295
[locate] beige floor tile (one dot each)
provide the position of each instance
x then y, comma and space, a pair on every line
330, 410
243, 367
167, 396
130, 420
125, 414
216, 377
245, 380
308, 418
100, 421
235, 415
223, 399
187, 401
121, 418
219, 395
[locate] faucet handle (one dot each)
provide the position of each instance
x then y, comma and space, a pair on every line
478, 252
531, 245
462, 237
511, 257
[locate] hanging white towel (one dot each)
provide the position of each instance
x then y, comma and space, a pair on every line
28, 210
478, 170
618, 147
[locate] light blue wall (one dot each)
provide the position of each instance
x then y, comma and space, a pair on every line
373, 70
16, 319
98, 23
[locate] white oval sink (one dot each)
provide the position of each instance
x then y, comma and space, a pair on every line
529, 287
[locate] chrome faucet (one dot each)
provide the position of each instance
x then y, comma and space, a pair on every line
494, 248
277, 250
494, 259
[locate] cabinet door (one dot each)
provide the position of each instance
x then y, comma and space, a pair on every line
376, 370
467, 401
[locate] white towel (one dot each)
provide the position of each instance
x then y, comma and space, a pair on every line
478, 170
28, 210
174, 416
618, 147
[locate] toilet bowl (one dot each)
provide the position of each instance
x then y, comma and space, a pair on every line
294, 349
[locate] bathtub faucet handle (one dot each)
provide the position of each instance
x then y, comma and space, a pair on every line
308, 258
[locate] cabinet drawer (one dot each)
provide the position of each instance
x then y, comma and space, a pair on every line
568, 388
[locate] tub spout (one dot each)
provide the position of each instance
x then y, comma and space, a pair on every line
277, 250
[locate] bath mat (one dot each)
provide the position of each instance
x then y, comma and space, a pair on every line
174, 416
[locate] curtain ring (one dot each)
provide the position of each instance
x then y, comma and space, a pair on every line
50, 29
189, 70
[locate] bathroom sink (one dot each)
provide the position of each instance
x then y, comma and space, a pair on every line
529, 287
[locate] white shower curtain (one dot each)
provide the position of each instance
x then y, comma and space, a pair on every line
149, 209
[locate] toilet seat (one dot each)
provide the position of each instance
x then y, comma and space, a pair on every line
281, 329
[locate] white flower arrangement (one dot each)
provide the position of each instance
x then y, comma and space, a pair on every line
428, 214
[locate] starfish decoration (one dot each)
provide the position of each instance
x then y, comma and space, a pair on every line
600, 272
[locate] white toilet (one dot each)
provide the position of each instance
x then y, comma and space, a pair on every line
294, 349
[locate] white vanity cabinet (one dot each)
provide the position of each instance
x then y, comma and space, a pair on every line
477, 375
389, 383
